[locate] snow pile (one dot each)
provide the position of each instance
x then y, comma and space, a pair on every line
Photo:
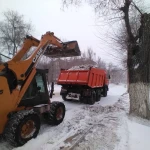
83, 67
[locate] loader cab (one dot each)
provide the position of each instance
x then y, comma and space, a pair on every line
37, 92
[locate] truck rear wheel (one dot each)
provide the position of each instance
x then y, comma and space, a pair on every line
98, 95
56, 114
64, 97
105, 89
22, 127
92, 99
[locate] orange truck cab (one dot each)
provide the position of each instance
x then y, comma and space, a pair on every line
85, 85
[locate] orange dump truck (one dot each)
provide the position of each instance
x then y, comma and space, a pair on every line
83, 84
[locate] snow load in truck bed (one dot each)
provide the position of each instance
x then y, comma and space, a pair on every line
83, 67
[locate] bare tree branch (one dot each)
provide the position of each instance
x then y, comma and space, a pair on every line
13, 29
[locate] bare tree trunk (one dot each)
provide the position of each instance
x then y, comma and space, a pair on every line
139, 74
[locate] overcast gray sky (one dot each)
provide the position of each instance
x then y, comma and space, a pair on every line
71, 24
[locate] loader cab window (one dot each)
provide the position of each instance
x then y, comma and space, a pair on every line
36, 86
40, 83
29, 53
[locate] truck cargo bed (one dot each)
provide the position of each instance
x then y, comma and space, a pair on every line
93, 77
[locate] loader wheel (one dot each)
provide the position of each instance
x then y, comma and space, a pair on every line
98, 95
22, 127
92, 99
56, 114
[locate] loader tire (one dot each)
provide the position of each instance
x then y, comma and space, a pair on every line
22, 127
92, 99
56, 114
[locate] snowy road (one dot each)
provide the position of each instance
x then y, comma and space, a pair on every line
96, 127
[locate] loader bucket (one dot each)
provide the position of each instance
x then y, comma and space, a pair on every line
70, 49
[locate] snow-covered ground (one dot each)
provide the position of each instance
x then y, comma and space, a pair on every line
139, 132
102, 126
